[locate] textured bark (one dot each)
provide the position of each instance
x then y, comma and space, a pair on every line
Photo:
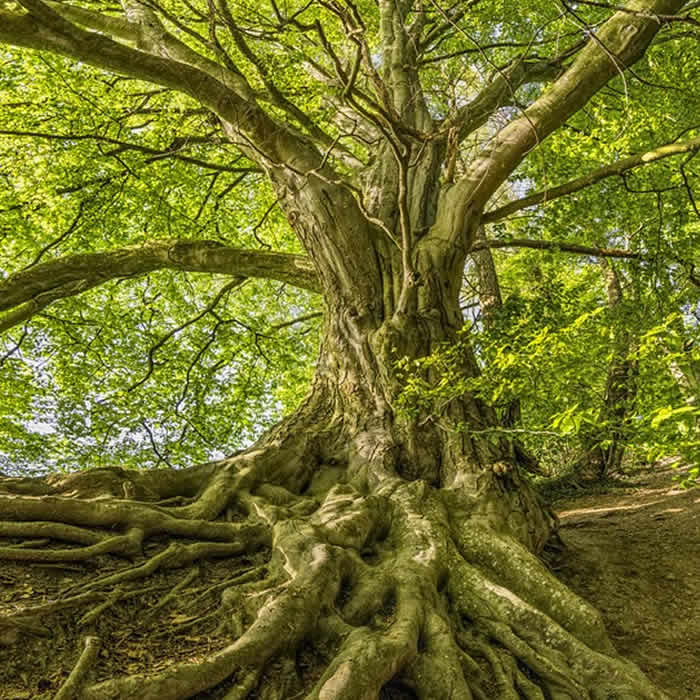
396, 584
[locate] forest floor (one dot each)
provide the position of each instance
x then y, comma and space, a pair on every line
633, 551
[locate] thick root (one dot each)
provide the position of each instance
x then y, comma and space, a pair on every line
364, 589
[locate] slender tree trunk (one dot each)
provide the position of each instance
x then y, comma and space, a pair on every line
604, 450
490, 297
491, 302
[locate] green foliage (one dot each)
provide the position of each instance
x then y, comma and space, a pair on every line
550, 348
158, 369
670, 424
141, 383
76, 384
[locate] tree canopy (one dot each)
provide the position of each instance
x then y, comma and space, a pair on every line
125, 182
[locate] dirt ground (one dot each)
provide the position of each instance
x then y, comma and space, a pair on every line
633, 551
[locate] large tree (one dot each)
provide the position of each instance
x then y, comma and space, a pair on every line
395, 553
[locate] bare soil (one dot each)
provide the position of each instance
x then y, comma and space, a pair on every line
633, 550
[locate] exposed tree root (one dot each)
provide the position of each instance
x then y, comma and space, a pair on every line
384, 583
70, 689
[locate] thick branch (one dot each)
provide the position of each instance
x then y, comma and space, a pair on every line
144, 29
31, 290
501, 92
154, 34
617, 168
401, 76
44, 29
621, 41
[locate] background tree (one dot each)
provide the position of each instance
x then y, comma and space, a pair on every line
603, 455
579, 412
364, 550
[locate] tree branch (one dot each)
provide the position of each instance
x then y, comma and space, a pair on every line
275, 94
298, 170
619, 43
172, 151
29, 291
153, 37
617, 168
400, 65
44, 29
557, 245
500, 91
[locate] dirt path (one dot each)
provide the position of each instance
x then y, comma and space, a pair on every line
634, 553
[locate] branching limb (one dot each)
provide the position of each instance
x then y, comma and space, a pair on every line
277, 97
43, 28
557, 245
27, 292
620, 42
172, 151
222, 294
150, 35
303, 176
501, 92
400, 66
617, 168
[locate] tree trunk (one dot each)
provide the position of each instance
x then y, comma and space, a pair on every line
605, 449
350, 553
491, 302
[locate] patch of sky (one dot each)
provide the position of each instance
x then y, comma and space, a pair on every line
40, 427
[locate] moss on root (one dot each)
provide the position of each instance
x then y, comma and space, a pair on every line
372, 586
